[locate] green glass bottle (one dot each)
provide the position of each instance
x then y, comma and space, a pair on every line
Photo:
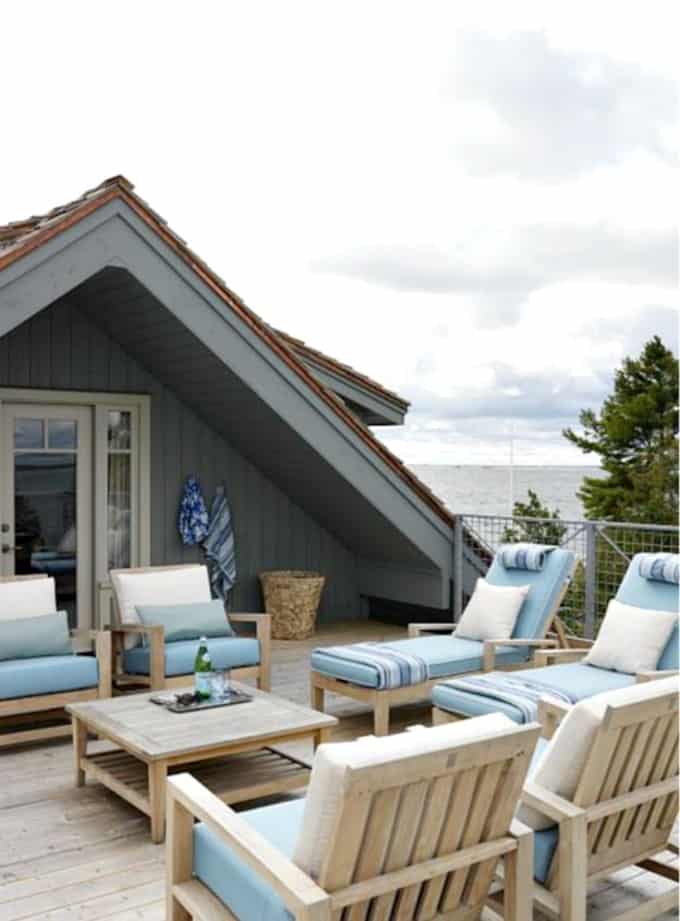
202, 670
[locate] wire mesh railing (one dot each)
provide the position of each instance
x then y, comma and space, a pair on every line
603, 550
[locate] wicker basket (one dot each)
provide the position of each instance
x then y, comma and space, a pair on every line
292, 598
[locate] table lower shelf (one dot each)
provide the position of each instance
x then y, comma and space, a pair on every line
234, 778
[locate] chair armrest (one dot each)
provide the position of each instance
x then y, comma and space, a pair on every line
654, 675
549, 804
489, 654
298, 891
556, 656
156, 637
263, 632
550, 714
415, 630
139, 629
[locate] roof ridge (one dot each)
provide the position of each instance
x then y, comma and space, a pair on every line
41, 229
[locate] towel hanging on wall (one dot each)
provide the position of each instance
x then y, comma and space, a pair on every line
220, 548
193, 514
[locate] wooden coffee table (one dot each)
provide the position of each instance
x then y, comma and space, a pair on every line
230, 749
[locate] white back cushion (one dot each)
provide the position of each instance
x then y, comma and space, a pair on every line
631, 639
561, 766
164, 586
491, 612
326, 786
27, 598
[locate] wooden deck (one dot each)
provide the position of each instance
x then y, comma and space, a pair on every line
84, 855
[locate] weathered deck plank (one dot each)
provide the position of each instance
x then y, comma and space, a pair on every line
84, 855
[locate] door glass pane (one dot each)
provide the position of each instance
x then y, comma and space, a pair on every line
118, 510
119, 430
62, 433
29, 434
45, 522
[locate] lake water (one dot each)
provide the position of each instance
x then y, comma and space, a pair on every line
486, 490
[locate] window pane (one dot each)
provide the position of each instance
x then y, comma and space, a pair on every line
45, 522
119, 430
62, 433
119, 511
29, 434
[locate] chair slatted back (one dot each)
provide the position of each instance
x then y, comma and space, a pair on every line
636, 747
401, 814
172, 567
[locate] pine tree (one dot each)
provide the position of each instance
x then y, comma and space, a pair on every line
636, 438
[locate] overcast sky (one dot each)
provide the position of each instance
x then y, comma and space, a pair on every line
474, 203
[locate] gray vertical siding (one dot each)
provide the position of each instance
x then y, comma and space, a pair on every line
60, 348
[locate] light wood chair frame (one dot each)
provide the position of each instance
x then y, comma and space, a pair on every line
622, 813
394, 849
15, 713
156, 680
381, 701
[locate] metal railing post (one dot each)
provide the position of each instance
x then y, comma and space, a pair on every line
590, 600
457, 568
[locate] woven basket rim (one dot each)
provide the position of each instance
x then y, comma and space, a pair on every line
291, 574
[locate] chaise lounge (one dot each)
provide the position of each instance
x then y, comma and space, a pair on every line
413, 823
158, 615
40, 673
602, 795
644, 599
507, 617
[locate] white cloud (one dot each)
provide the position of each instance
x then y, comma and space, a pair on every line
280, 137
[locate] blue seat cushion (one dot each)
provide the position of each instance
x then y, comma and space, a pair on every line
239, 887
545, 842
546, 588
180, 657
574, 678
445, 656
47, 675
655, 596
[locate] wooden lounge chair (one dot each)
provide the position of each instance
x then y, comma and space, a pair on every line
447, 654
159, 664
419, 833
563, 669
624, 805
34, 691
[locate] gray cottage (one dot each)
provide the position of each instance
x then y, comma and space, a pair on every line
127, 364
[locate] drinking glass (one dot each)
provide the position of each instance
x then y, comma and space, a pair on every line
219, 683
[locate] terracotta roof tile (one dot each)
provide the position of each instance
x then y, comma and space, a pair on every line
19, 238
306, 351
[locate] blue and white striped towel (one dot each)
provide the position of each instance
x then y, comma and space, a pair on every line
523, 693
661, 567
220, 548
394, 668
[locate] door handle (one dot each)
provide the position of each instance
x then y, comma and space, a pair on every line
7, 549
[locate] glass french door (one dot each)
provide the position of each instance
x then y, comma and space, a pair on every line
46, 524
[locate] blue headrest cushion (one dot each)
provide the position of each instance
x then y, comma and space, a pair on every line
530, 557
660, 567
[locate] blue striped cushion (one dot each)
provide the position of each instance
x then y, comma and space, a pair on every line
660, 567
529, 557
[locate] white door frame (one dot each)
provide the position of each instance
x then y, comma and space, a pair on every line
96, 403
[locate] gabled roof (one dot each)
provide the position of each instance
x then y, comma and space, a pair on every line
19, 238
305, 351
